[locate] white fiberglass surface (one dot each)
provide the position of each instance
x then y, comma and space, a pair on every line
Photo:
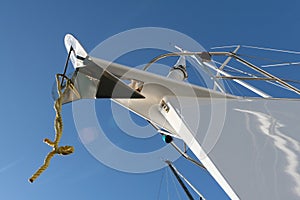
256, 145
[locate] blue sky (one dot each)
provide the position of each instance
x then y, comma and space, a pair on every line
32, 52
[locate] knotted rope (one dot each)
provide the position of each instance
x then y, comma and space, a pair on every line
58, 126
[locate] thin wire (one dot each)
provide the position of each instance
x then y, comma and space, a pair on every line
271, 49
177, 191
260, 48
258, 57
228, 86
200, 78
187, 157
242, 72
282, 64
231, 85
255, 76
167, 185
270, 82
159, 189
258, 78
196, 72
224, 47
286, 85
187, 181
278, 63
237, 70
278, 85
194, 61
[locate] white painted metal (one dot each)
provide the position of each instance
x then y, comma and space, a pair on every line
78, 50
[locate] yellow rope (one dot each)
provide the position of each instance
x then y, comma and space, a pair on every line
58, 126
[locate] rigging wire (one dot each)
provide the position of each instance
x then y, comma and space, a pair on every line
271, 49
160, 183
281, 63
186, 156
207, 55
258, 78
175, 185
224, 47
187, 192
167, 185
267, 74
235, 70
205, 69
232, 69
230, 89
183, 153
278, 63
191, 185
259, 57
260, 48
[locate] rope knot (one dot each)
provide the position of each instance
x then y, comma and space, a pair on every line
64, 150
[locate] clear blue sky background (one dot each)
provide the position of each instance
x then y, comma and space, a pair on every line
32, 52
